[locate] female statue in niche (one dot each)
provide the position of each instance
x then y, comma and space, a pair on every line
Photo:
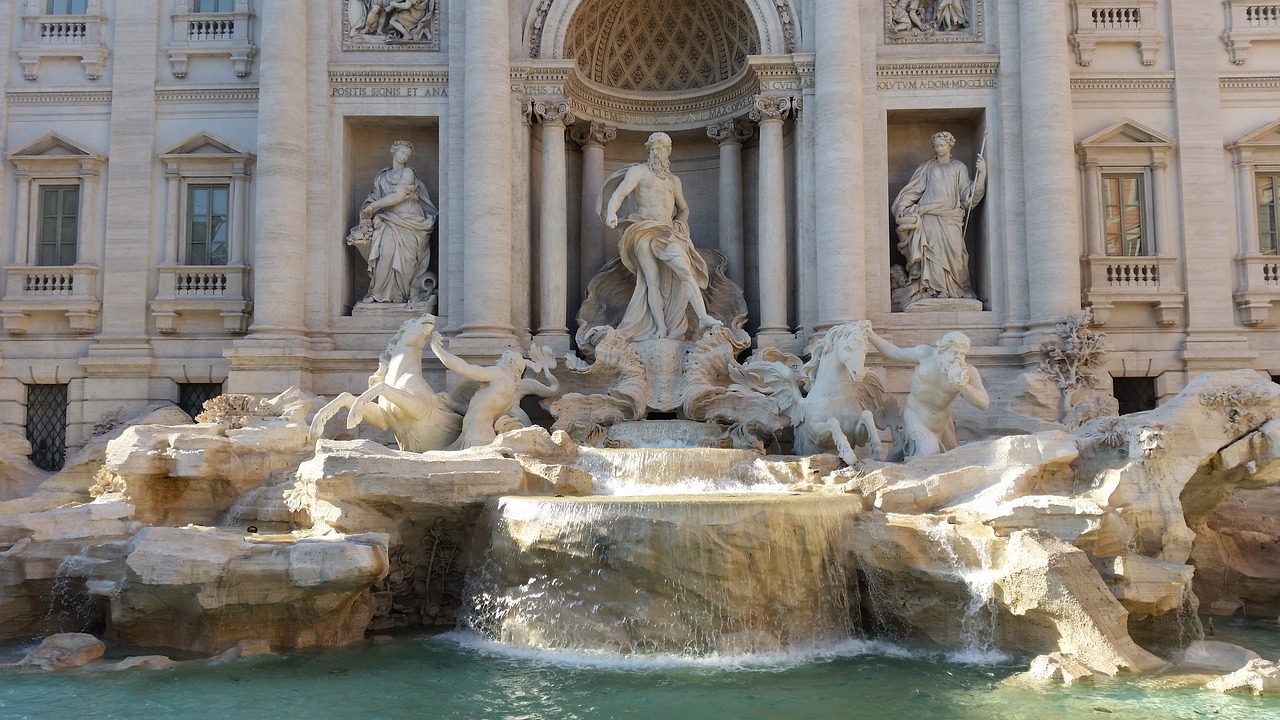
395, 231
931, 212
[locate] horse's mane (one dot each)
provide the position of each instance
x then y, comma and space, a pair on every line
827, 344
397, 340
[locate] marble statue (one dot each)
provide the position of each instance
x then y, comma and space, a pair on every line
932, 212
399, 399
394, 233
906, 15
940, 376
926, 16
950, 15
670, 274
831, 398
494, 408
392, 20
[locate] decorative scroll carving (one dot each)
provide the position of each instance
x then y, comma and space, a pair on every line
732, 130
593, 133
769, 107
552, 111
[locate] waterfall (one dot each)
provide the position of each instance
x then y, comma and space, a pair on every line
716, 574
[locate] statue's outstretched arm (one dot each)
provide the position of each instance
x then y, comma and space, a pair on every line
895, 353
974, 391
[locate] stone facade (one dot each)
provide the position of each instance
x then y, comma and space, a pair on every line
179, 177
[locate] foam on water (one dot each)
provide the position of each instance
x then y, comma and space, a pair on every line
764, 661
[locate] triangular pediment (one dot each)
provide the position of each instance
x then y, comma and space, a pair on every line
1267, 135
203, 143
1128, 133
52, 145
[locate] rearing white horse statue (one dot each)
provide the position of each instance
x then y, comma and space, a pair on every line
399, 399
829, 399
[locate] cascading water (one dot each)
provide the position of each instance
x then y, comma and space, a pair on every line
694, 575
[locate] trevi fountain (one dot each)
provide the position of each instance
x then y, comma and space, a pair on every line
662, 523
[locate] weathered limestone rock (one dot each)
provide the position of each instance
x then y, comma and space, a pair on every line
145, 662
1237, 552
1146, 586
256, 647
1059, 667
1029, 403
204, 590
1215, 655
1260, 677
63, 651
18, 477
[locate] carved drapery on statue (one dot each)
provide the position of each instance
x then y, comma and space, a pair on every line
394, 234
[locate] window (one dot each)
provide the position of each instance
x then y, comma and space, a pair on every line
1134, 394
207, 224
47, 425
1124, 216
1268, 225
193, 396
59, 225
68, 7
213, 6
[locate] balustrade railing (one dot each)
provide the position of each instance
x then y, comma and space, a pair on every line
1261, 16
58, 282
1117, 18
200, 284
211, 30
63, 32
1132, 274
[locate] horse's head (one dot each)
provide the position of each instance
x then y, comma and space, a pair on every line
413, 333
846, 345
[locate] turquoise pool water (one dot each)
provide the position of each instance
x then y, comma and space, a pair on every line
459, 676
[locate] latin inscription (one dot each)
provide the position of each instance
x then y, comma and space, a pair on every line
936, 84
389, 91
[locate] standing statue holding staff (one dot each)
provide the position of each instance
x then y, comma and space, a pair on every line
656, 247
940, 376
930, 212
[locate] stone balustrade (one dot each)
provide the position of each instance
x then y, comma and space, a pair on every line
70, 290
225, 34
1120, 22
59, 36
1250, 22
1257, 287
1149, 280
188, 290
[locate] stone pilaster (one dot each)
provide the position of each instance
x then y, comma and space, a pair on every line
1053, 243
730, 135
487, 152
593, 137
838, 141
119, 363
553, 228
771, 239
275, 354
1213, 340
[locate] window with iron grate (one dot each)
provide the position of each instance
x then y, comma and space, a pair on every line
1134, 394
193, 396
47, 424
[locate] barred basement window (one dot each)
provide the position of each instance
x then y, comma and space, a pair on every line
47, 425
1134, 394
192, 396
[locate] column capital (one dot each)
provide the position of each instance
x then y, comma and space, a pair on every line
733, 130
550, 112
772, 107
592, 134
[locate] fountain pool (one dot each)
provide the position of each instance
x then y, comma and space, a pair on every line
457, 675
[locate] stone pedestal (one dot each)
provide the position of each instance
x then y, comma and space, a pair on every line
950, 305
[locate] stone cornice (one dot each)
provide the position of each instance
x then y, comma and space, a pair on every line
58, 97
1123, 83
424, 76
237, 94
1249, 82
976, 66
670, 111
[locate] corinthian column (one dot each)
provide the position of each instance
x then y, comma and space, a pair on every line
772, 237
487, 151
281, 202
730, 135
592, 137
838, 130
1049, 175
553, 227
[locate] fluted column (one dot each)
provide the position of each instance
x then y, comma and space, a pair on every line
281, 204
487, 151
1049, 176
730, 135
771, 239
592, 137
553, 228
838, 139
